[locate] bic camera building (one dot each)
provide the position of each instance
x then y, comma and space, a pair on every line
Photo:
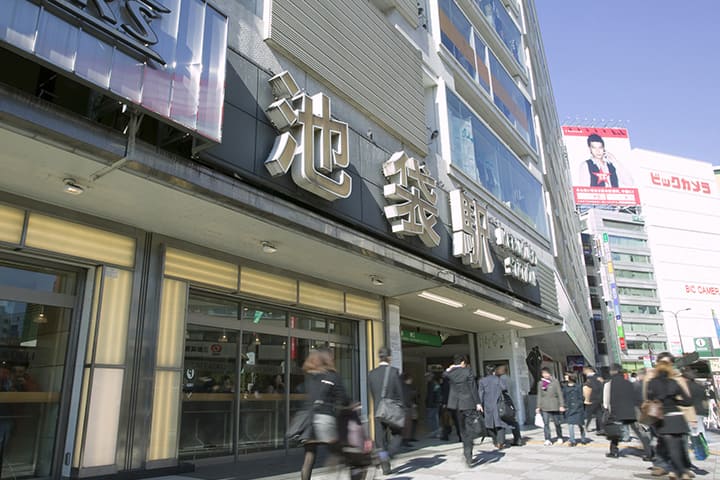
196, 193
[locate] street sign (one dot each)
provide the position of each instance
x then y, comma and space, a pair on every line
421, 338
703, 346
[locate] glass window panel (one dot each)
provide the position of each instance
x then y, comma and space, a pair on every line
634, 274
456, 34
617, 241
636, 292
497, 168
57, 41
213, 75
208, 398
498, 17
126, 76
199, 306
261, 315
39, 279
508, 97
20, 19
263, 387
631, 258
482, 64
639, 309
188, 63
94, 59
158, 79
33, 348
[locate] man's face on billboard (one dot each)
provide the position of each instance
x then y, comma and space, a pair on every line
597, 150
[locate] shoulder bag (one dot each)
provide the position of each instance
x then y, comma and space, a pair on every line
390, 411
651, 412
506, 409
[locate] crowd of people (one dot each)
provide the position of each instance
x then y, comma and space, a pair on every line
615, 406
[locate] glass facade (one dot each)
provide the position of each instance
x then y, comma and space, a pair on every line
639, 309
644, 327
498, 17
628, 242
634, 274
466, 46
36, 318
478, 153
630, 258
637, 292
242, 373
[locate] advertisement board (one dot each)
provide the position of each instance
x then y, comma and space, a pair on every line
598, 159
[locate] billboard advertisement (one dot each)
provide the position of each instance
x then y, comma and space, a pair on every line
598, 159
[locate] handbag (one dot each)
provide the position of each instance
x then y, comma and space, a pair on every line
475, 424
539, 420
651, 412
506, 408
613, 429
391, 412
300, 427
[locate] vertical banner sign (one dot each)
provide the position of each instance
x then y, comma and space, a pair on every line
598, 159
717, 324
613, 292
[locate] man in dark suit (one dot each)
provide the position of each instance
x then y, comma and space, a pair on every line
463, 399
376, 377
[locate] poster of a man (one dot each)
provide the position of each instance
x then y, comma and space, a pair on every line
602, 168
599, 159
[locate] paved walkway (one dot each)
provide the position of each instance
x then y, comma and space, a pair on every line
434, 459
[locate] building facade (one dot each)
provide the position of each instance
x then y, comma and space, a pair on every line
196, 193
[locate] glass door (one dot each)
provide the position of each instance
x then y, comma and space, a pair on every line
208, 397
36, 319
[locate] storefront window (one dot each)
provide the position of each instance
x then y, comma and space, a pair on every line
242, 384
35, 322
478, 153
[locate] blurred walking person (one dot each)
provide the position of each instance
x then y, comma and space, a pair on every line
621, 401
325, 391
551, 405
463, 399
388, 439
673, 427
490, 390
574, 408
433, 402
593, 393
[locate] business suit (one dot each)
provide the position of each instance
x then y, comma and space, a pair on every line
393, 391
463, 398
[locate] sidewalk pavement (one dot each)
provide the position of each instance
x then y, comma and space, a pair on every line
433, 459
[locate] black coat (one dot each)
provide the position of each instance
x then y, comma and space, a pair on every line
699, 398
623, 399
325, 391
596, 388
394, 385
463, 389
671, 394
574, 404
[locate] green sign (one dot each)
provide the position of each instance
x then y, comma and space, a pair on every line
605, 238
421, 338
703, 346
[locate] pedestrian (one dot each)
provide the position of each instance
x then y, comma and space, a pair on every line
388, 439
410, 399
550, 404
700, 402
621, 401
501, 372
490, 390
433, 402
325, 390
672, 428
574, 408
592, 393
463, 399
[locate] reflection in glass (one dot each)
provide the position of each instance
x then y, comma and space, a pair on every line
209, 373
211, 307
262, 315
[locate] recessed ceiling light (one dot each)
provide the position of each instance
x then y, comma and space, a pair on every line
268, 247
491, 316
518, 324
440, 299
72, 187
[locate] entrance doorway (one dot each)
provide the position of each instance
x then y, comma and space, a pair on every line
37, 323
242, 373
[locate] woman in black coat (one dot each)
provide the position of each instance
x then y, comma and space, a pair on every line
574, 407
325, 391
673, 426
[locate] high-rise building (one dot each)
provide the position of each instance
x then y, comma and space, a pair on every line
197, 193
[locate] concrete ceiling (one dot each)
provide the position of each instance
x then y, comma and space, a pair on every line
35, 169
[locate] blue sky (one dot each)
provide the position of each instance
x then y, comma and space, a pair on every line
651, 66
